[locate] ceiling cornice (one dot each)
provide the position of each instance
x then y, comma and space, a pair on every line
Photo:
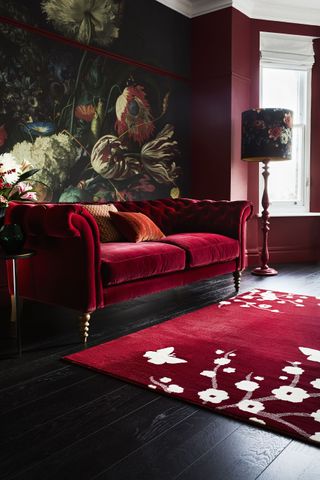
201, 7
245, 6
181, 6
293, 11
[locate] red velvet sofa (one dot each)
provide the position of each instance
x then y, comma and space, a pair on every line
71, 268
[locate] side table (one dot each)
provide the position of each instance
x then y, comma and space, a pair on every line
16, 310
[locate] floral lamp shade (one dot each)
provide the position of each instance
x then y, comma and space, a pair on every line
266, 134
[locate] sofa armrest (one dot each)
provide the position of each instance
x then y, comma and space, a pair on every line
243, 210
223, 217
66, 268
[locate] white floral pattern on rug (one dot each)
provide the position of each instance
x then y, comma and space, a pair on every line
283, 395
265, 300
312, 354
292, 393
213, 395
316, 415
315, 437
163, 383
316, 383
251, 406
257, 420
163, 355
247, 385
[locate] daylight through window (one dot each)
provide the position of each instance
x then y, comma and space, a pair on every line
285, 82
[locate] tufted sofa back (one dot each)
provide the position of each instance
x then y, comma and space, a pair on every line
190, 215
171, 216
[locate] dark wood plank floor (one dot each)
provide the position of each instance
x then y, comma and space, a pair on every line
59, 421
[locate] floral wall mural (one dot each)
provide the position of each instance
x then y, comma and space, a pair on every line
96, 128
86, 21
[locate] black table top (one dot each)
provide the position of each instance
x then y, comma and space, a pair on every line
16, 256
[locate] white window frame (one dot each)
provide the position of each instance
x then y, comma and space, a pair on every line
280, 207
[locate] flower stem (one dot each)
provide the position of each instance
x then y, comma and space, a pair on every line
27, 131
63, 110
76, 140
109, 97
76, 88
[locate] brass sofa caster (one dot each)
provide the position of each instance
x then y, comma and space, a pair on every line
84, 327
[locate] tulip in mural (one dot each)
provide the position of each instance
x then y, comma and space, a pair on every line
95, 129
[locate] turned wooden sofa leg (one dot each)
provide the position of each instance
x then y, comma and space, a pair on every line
237, 280
84, 327
13, 321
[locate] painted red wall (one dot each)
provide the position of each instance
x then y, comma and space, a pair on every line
221, 90
211, 105
218, 171
240, 99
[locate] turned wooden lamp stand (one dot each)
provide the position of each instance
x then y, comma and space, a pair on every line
266, 136
264, 269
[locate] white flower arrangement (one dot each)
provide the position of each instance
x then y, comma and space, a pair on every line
12, 180
54, 156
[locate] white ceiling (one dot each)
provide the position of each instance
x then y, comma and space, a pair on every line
296, 11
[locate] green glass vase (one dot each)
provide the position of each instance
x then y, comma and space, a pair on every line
11, 238
2, 215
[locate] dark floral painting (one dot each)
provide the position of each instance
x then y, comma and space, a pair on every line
97, 129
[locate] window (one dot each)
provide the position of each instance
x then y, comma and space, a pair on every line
285, 82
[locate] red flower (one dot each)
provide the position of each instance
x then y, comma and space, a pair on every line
3, 135
288, 120
134, 115
85, 112
275, 133
259, 124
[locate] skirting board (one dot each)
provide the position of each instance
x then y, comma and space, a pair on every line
285, 255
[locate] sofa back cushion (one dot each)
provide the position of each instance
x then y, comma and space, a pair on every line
164, 212
101, 214
136, 227
189, 215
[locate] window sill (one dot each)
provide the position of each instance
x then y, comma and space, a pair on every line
292, 214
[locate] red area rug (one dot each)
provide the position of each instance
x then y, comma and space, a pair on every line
255, 357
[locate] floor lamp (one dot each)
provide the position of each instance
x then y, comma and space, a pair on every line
266, 136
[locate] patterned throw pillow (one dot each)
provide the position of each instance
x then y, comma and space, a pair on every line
101, 214
136, 227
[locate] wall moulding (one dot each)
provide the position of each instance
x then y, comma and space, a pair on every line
91, 48
293, 11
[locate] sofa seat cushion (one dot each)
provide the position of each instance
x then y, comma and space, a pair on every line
205, 248
124, 262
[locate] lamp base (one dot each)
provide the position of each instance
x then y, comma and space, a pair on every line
264, 272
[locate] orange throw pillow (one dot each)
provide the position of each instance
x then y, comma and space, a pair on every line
136, 227
101, 214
